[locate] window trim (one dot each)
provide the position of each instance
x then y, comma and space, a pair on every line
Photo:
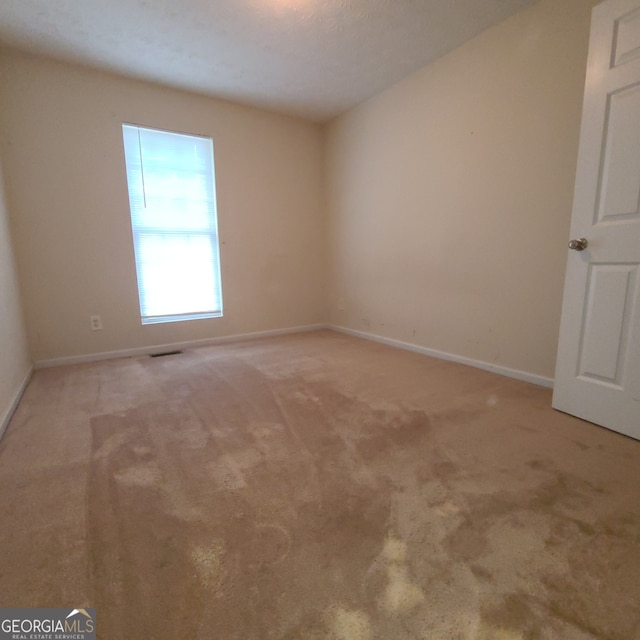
212, 233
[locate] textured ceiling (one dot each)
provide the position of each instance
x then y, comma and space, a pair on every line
313, 58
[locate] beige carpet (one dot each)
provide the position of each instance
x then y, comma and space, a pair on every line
316, 487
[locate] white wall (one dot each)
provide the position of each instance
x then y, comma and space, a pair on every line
60, 136
450, 194
14, 359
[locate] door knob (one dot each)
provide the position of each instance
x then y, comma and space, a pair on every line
578, 245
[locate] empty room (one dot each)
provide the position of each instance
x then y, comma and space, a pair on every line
320, 319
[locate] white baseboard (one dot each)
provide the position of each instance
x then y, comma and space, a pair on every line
8, 414
142, 351
525, 376
408, 346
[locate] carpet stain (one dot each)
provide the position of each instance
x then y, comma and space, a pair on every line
226, 473
401, 595
317, 487
492, 633
351, 625
514, 617
209, 565
447, 509
144, 475
394, 550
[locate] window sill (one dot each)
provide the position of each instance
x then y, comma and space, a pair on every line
181, 317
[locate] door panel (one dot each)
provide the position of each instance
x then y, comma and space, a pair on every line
610, 302
620, 174
627, 37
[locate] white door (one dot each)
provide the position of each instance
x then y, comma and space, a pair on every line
598, 366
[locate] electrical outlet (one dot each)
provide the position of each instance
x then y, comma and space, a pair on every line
96, 323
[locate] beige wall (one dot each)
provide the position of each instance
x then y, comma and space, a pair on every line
447, 198
60, 136
450, 194
14, 359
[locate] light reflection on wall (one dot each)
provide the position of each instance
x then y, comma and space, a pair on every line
290, 4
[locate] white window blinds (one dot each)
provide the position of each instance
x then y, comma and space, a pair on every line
173, 218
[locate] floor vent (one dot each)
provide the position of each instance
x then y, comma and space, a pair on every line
165, 353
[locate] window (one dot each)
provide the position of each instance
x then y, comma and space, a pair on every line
173, 218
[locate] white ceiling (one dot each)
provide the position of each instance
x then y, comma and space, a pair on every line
313, 58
